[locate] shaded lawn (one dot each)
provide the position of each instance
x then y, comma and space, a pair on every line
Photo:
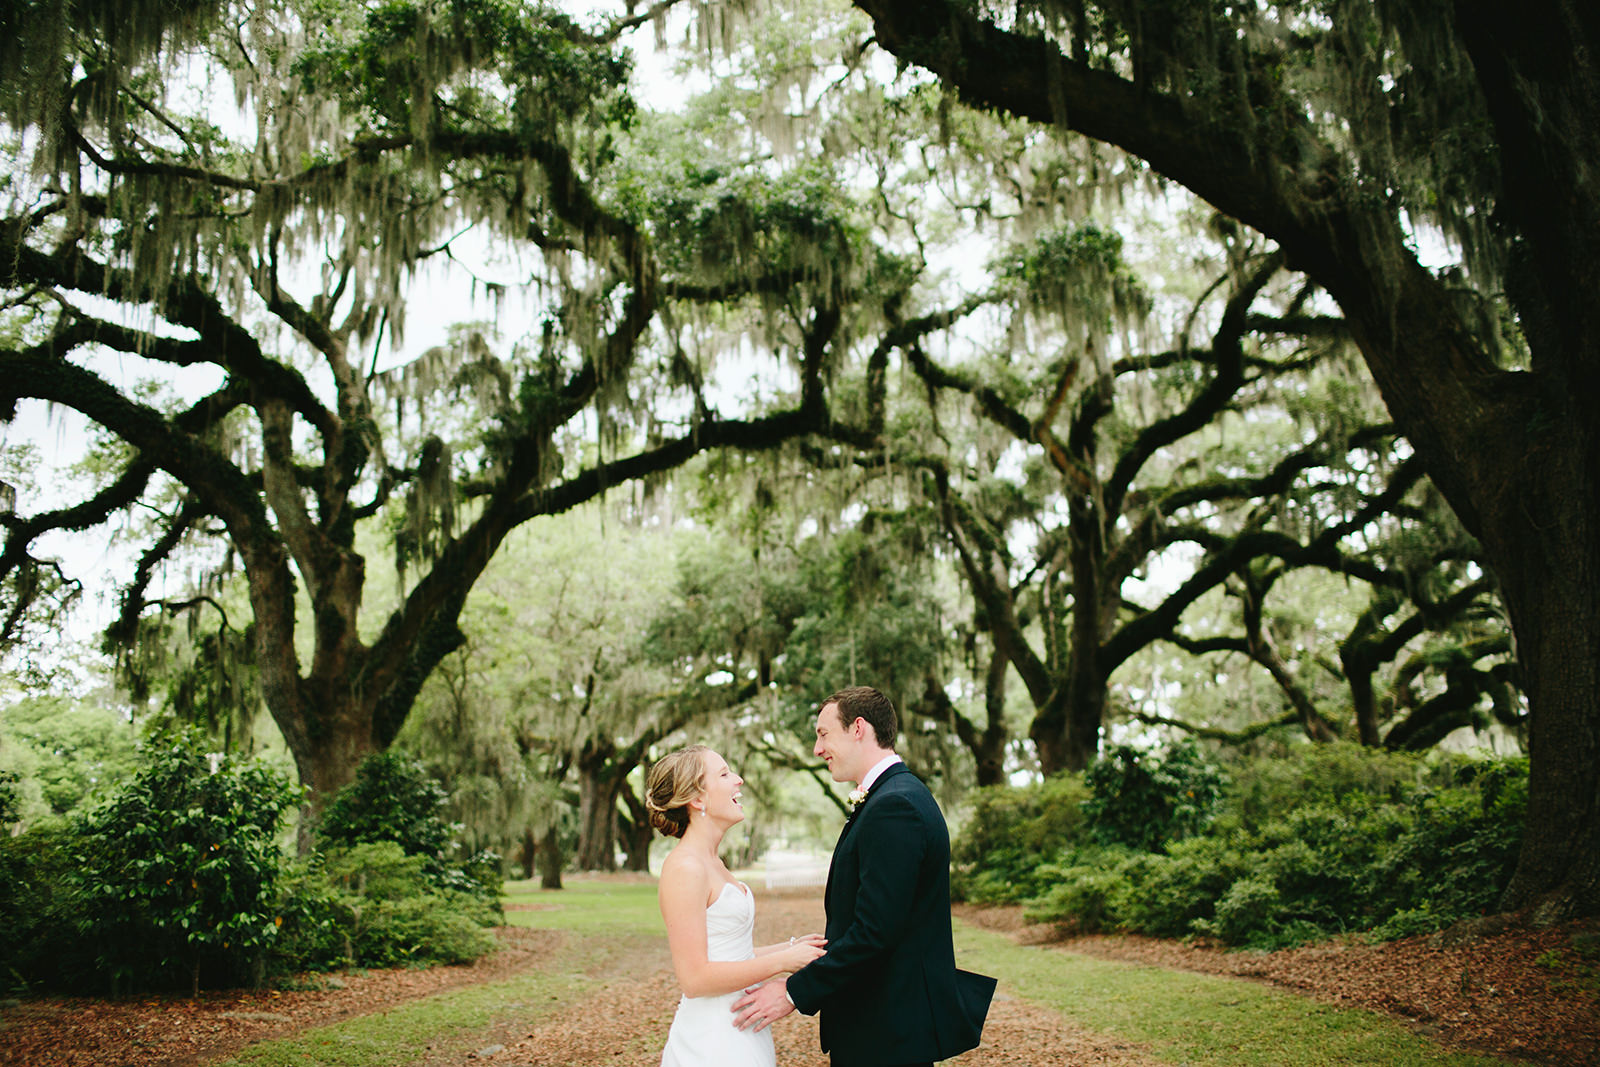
1176, 1016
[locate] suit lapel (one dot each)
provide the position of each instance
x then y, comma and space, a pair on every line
877, 786
849, 821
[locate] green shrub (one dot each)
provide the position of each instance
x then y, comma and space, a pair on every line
177, 872
10, 798
1146, 799
1326, 840
1250, 907
426, 929
315, 922
394, 799
372, 905
391, 799
1264, 789
1165, 895
39, 942
1086, 894
998, 856
1459, 849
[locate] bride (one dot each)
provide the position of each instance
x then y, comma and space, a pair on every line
692, 795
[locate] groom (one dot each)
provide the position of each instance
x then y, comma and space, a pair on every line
888, 988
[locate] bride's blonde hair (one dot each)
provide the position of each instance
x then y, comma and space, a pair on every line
675, 780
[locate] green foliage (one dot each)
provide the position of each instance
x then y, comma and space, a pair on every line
373, 905
391, 799
1303, 846
178, 879
179, 869
397, 63
10, 798
726, 224
1087, 891
394, 799
39, 941
1078, 266
63, 753
996, 856
1460, 849
1261, 789
1143, 800
1166, 894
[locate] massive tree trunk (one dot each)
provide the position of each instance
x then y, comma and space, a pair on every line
1539, 66
636, 831
1514, 452
597, 818
1545, 548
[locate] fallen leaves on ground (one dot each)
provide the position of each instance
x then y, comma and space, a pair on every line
1504, 987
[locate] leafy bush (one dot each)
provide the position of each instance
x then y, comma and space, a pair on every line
1293, 849
1144, 800
1239, 915
10, 798
374, 906
997, 856
178, 871
39, 942
1263, 789
1086, 894
1460, 847
177, 879
391, 799
1167, 894
394, 799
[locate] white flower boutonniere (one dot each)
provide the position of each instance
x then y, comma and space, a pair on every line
855, 798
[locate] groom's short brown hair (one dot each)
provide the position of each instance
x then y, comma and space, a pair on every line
864, 702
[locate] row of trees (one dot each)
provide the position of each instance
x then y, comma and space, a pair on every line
1133, 387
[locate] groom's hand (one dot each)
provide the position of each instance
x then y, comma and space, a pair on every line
762, 1006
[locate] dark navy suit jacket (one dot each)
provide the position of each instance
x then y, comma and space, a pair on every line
888, 987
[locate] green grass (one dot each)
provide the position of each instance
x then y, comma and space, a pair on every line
1200, 1020
605, 919
443, 1023
588, 907
1177, 1017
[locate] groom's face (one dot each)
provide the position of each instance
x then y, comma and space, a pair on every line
838, 744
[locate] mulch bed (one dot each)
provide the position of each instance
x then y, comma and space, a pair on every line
1503, 987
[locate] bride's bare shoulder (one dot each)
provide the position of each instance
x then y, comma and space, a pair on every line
681, 865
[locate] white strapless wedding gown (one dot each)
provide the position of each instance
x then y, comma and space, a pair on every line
703, 1034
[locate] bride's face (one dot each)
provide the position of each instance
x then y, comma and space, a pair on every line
722, 787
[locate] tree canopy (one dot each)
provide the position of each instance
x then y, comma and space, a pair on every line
935, 263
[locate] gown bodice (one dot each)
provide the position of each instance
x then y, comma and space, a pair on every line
703, 1034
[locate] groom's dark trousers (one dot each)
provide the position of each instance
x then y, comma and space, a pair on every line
888, 988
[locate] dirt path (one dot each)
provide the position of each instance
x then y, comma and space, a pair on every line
625, 1023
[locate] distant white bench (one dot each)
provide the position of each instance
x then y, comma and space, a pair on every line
792, 870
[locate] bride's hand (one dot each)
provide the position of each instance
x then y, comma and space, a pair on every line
802, 951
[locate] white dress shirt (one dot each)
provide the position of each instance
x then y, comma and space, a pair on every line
877, 771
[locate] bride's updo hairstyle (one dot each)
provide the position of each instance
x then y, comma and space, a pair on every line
676, 779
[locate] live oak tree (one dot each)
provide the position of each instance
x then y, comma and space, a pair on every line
1001, 183
1248, 449
255, 186
1343, 132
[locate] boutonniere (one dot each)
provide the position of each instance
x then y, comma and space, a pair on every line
855, 798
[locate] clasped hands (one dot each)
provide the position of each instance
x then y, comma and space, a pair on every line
763, 1005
